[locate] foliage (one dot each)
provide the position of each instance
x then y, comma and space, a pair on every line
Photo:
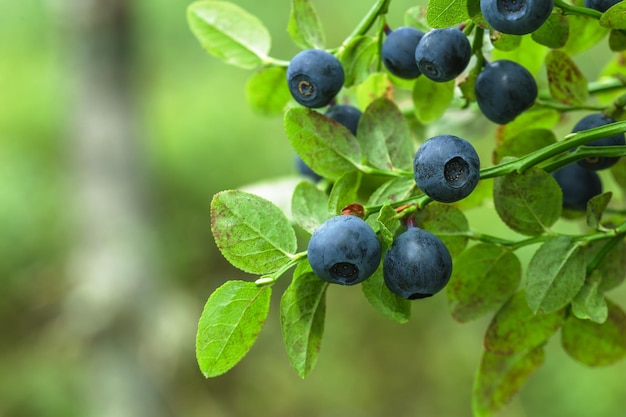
563, 285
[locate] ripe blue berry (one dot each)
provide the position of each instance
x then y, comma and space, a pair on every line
504, 89
516, 17
344, 250
596, 120
345, 114
601, 5
578, 184
398, 52
314, 77
417, 265
446, 168
443, 54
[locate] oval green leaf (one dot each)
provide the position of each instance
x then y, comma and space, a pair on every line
309, 206
387, 303
230, 33
252, 233
445, 13
448, 223
529, 203
484, 276
267, 91
229, 325
431, 99
305, 27
556, 273
595, 344
302, 315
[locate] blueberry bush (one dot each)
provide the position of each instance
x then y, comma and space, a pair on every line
383, 204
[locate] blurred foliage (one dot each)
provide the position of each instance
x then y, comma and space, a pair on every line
200, 137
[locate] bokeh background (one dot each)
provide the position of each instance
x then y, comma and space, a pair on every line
116, 129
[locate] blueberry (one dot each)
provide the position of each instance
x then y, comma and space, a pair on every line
314, 77
516, 17
417, 265
601, 5
447, 168
578, 184
443, 54
398, 52
306, 170
596, 120
344, 250
504, 89
345, 114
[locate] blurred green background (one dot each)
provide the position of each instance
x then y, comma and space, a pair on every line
116, 129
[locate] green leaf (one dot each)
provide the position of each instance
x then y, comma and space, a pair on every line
305, 27
229, 325
523, 143
614, 17
530, 119
618, 173
447, 222
357, 59
617, 40
589, 303
445, 13
252, 233
267, 92
556, 273
596, 207
595, 344
530, 55
587, 32
500, 377
344, 192
388, 221
415, 16
230, 33
325, 145
384, 136
504, 41
484, 276
382, 299
612, 270
566, 81
309, 206
373, 87
431, 99
396, 189
528, 203
516, 329
302, 315
554, 32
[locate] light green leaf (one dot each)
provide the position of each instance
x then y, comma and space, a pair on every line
530, 119
267, 92
554, 32
388, 221
302, 315
358, 58
505, 41
586, 33
384, 136
382, 299
595, 344
556, 273
305, 27
528, 203
500, 377
614, 17
344, 192
445, 13
530, 55
309, 206
374, 86
229, 325
484, 276
566, 81
396, 189
325, 145
230, 33
431, 99
589, 303
252, 233
523, 143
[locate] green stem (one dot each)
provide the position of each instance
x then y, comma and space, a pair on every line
379, 8
577, 10
573, 140
564, 107
270, 279
586, 152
